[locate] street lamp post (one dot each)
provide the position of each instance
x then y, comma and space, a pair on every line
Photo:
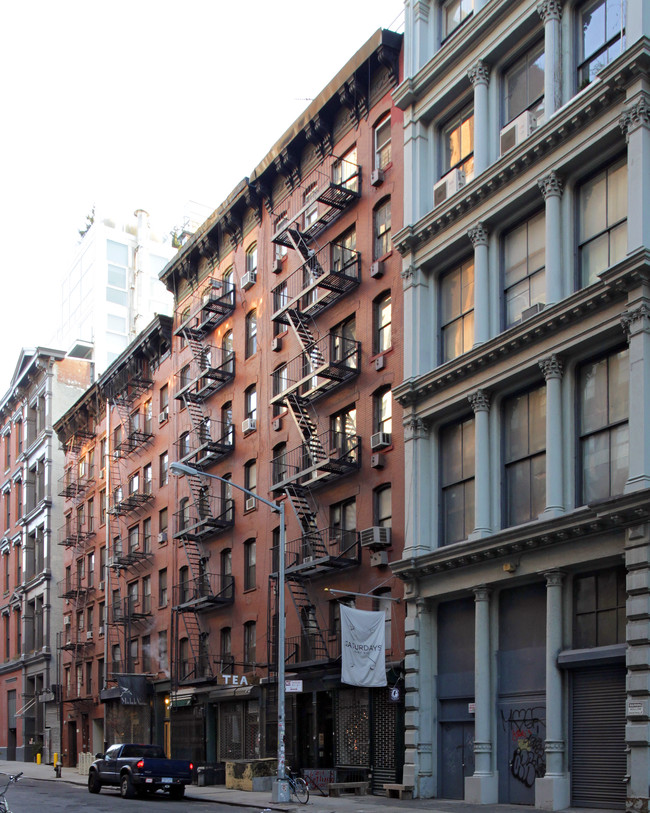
280, 787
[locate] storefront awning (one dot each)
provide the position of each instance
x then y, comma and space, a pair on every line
234, 693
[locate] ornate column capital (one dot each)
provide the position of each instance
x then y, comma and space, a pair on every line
423, 606
638, 115
551, 185
636, 321
478, 234
481, 592
480, 401
554, 578
414, 428
421, 10
551, 367
550, 10
479, 74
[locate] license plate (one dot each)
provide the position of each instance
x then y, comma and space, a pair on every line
167, 780
148, 780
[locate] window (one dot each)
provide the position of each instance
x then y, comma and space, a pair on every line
250, 475
184, 514
602, 221
146, 535
599, 609
383, 316
147, 477
225, 650
183, 584
604, 395
162, 587
457, 463
7, 450
383, 603
343, 337
228, 356
457, 311
164, 468
343, 426
381, 229
184, 377
383, 507
345, 170
146, 654
91, 515
163, 659
279, 463
601, 26
228, 286
382, 144
251, 403
310, 201
524, 85
524, 258
343, 522
280, 250
453, 14
227, 430
383, 410
458, 143
184, 445
225, 558
251, 259
251, 333
280, 383
134, 483
226, 497
344, 252
164, 400
249, 643
249, 564
134, 539
524, 418
148, 417
102, 507
162, 525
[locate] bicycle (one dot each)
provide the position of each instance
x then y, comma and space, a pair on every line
297, 785
3, 791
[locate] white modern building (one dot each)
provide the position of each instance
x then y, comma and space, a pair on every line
526, 269
112, 290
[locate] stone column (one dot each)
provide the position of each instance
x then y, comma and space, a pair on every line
551, 13
552, 369
478, 234
636, 323
480, 401
420, 700
635, 124
420, 325
479, 76
482, 787
551, 187
552, 791
420, 535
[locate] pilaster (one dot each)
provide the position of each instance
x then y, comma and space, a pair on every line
419, 489
551, 13
479, 76
635, 124
636, 323
478, 234
480, 402
551, 187
552, 369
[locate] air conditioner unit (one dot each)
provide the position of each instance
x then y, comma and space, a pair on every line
375, 537
377, 269
102, 473
380, 362
306, 560
66, 620
448, 186
377, 461
248, 280
276, 424
249, 425
538, 307
162, 537
100, 631
377, 177
164, 415
101, 585
116, 455
516, 131
380, 440
249, 505
277, 265
378, 558
276, 344
89, 635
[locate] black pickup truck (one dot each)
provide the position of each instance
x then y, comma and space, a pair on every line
138, 770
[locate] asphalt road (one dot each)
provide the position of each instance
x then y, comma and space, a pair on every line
32, 796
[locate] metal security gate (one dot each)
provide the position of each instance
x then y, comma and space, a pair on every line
386, 758
598, 760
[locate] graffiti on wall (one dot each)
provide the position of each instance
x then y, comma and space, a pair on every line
526, 727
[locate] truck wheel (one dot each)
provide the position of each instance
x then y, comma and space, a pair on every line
177, 792
94, 785
127, 791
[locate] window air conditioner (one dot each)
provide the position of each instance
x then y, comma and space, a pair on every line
377, 177
448, 186
249, 504
277, 265
276, 424
164, 415
101, 585
516, 131
249, 425
527, 313
377, 460
66, 620
377, 269
276, 344
378, 558
162, 537
102, 473
101, 629
380, 440
248, 280
89, 635
375, 537
380, 362
116, 455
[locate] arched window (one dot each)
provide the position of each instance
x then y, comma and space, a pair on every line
251, 333
382, 323
382, 143
381, 228
383, 410
251, 259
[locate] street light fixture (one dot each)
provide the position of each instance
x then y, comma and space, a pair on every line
281, 786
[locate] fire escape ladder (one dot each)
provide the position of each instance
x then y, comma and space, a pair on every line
195, 557
303, 507
200, 495
188, 623
308, 254
312, 637
308, 335
304, 418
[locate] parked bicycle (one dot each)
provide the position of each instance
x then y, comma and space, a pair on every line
297, 785
3, 790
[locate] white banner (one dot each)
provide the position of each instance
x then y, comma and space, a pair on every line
363, 644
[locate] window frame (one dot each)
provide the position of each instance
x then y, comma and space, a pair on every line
379, 149
454, 123
537, 273
583, 61
251, 333
381, 228
381, 330
464, 480
250, 562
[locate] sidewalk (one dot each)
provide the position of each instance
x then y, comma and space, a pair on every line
316, 804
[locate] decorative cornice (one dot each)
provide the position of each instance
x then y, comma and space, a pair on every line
353, 96
636, 321
480, 401
254, 202
478, 234
550, 10
421, 10
638, 115
233, 227
551, 367
414, 428
389, 58
287, 165
479, 73
551, 185
319, 134
265, 193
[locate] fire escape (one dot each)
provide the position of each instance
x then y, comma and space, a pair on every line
77, 590
130, 552
323, 363
202, 443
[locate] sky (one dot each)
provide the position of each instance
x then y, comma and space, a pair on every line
127, 104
